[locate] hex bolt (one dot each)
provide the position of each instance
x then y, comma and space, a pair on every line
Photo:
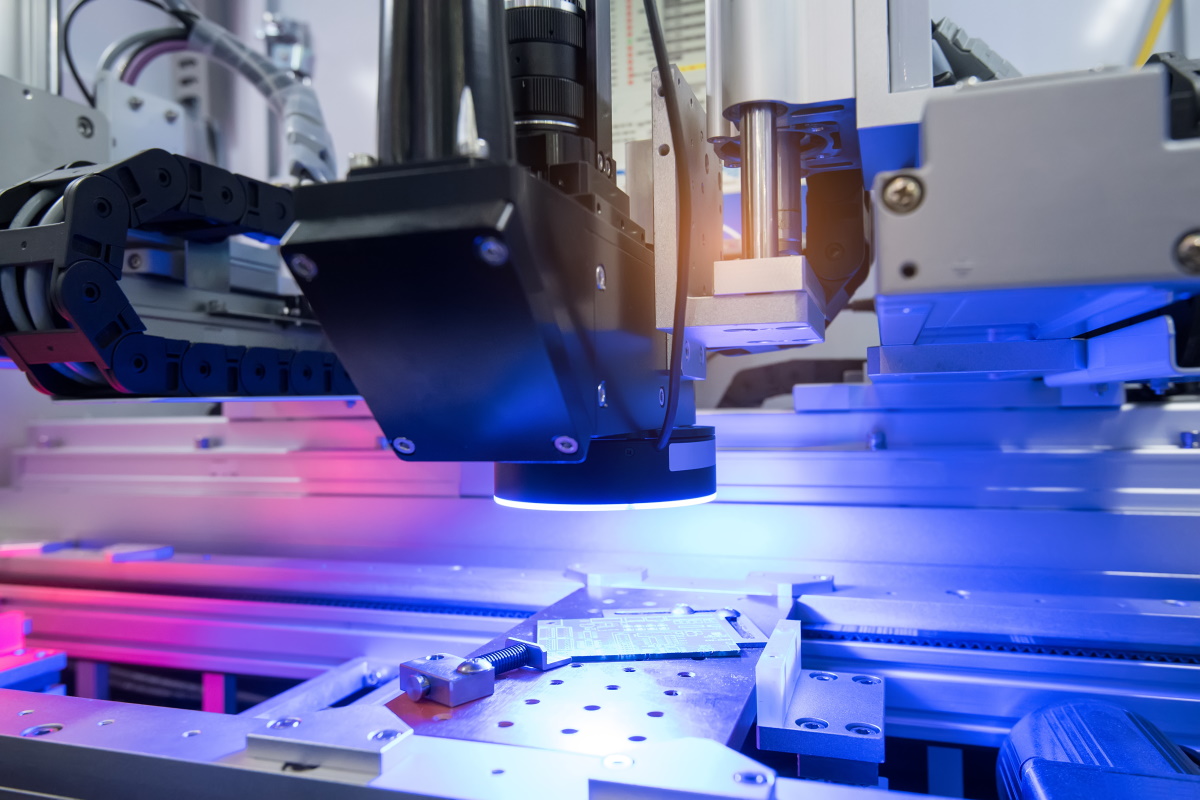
86, 127
303, 267
1189, 440
602, 395
565, 444
284, 722
491, 251
1188, 253
618, 761
135, 260
601, 278
903, 194
136, 102
403, 446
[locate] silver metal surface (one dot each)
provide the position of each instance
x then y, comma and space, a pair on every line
42, 132
760, 198
570, 6
1188, 253
607, 707
363, 739
909, 45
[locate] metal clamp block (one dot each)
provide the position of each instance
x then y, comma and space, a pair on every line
446, 679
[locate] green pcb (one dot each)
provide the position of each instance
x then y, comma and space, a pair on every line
637, 637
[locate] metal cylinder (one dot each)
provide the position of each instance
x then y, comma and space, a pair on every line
789, 148
760, 199
429, 52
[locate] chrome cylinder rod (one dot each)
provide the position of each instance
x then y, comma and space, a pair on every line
760, 199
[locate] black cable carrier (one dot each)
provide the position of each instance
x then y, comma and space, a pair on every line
157, 192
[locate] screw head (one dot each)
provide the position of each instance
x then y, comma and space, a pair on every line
756, 778
602, 395
565, 444
474, 666
403, 446
385, 735
601, 278
171, 116
284, 722
303, 267
136, 102
903, 194
135, 260
619, 761
1188, 253
362, 160
491, 250
86, 127
662, 396
415, 686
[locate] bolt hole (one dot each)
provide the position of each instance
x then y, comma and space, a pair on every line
570, 730
504, 724
556, 682
91, 292
630, 669
164, 178
190, 734
862, 729
532, 702
497, 772
822, 676
205, 369
591, 708
103, 207
812, 723
612, 687
576, 666
654, 714
226, 195
637, 738
139, 363
687, 674
671, 693
106, 722
664, 149
909, 270
260, 371
42, 730
866, 680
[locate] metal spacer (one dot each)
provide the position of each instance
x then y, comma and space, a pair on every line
903, 194
565, 444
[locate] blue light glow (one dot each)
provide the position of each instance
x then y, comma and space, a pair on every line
689, 501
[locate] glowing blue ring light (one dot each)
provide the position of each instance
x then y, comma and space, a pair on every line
619, 473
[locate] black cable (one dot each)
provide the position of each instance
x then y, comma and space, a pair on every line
183, 17
683, 187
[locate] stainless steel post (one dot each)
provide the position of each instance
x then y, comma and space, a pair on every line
760, 200
791, 192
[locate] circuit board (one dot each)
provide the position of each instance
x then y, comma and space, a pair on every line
638, 638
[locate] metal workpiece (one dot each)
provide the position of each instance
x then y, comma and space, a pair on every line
447, 679
760, 199
609, 707
792, 52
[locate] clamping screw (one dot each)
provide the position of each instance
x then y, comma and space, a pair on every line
509, 658
903, 193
